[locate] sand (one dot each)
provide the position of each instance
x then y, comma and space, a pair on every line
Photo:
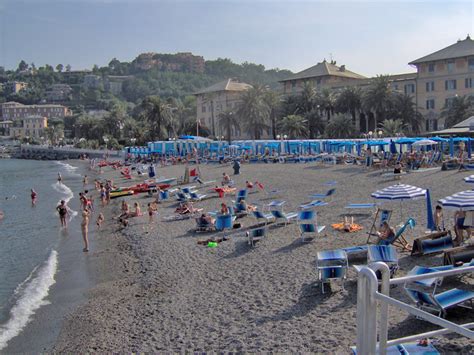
161, 291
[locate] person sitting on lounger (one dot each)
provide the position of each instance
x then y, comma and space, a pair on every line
205, 220
224, 209
244, 207
385, 233
225, 179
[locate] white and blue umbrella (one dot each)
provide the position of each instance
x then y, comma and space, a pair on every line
469, 179
459, 201
399, 192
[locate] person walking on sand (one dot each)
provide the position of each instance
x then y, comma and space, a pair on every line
63, 213
34, 196
85, 228
60, 178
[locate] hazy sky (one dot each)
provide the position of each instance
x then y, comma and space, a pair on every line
370, 37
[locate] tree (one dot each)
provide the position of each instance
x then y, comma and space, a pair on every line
392, 127
340, 127
272, 100
156, 114
68, 67
253, 111
227, 121
55, 130
457, 110
90, 128
349, 101
378, 98
59, 68
22, 66
209, 99
114, 121
404, 109
326, 101
294, 126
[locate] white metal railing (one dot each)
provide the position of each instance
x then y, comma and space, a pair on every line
368, 295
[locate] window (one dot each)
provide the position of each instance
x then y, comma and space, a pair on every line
203, 108
448, 103
450, 84
409, 88
468, 83
395, 87
430, 86
430, 104
431, 68
450, 65
470, 64
293, 84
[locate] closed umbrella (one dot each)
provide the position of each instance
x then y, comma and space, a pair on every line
459, 201
429, 212
399, 192
393, 147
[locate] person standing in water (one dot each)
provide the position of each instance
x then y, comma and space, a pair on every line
63, 213
85, 228
34, 196
60, 178
85, 180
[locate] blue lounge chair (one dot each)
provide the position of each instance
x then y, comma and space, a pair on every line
398, 239
383, 253
330, 265
384, 216
164, 195
327, 194
313, 204
241, 195
256, 235
440, 302
188, 190
182, 197
224, 221
307, 223
409, 349
267, 217
287, 217
432, 243
194, 196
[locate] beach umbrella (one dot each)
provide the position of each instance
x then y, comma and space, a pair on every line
469, 179
459, 201
399, 192
424, 142
393, 147
429, 212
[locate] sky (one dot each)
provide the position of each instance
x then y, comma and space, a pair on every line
369, 37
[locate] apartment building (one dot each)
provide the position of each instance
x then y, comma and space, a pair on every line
221, 97
14, 87
58, 93
30, 126
441, 76
12, 111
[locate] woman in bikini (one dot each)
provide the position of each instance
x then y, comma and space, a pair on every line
85, 228
63, 213
34, 196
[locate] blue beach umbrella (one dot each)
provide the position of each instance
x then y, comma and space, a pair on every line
469, 179
393, 147
460, 201
399, 192
429, 212
469, 149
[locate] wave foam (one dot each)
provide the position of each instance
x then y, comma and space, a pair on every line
32, 294
68, 195
71, 170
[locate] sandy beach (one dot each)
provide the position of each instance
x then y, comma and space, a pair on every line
161, 291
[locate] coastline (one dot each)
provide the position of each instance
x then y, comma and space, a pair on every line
162, 292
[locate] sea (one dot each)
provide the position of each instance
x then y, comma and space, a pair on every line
43, 271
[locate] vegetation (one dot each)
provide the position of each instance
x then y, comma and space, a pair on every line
457, 110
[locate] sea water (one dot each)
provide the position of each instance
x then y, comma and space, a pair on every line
31, 240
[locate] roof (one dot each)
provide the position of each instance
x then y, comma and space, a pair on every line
325, 69
405, 76
466, 126
462, 48
466, 123
226, 85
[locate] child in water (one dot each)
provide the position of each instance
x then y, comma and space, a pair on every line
100, 220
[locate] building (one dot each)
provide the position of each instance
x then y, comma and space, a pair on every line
12, 111
58, 93
5, 127
221, 97
14, 87
441, 76
114, 83
30, 126
92, 81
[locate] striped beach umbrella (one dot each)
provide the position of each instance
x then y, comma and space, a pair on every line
399, 192
469, 179
459, 201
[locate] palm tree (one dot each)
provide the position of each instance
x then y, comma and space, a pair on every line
273, 101
378, 98
227, 121
404, 109
392, 127
253, 112
460, 108
157, 115
349, 101
340, 127
209, 99
293, 125
326, 101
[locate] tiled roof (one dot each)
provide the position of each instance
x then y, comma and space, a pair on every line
226, 85
325, 69
462, 48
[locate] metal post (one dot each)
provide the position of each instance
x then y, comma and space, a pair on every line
367, 312
383, 317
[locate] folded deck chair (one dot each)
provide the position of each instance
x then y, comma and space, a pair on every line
433, 243
330, 265
381, 216
266, 217
408, 349
440, 302
327, 194
287, 217
460, 254
256, 235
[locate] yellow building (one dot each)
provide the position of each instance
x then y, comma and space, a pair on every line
31, 126
221, 97
441, 76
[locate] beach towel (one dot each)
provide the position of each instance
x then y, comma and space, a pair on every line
352, 227
193, 173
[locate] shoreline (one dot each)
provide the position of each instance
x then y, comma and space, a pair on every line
161, 291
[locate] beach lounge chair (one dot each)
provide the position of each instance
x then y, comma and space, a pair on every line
381, 216
188, 190
224, 221
181, 196
398, 239
266, 217
287, 217
313, 204
307, 223
440, 302
194, 196
322, 196
384, 253
460, 254
241, 195
432, 243
331, 265
204, 227
256, 235
409, 349
164, 195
